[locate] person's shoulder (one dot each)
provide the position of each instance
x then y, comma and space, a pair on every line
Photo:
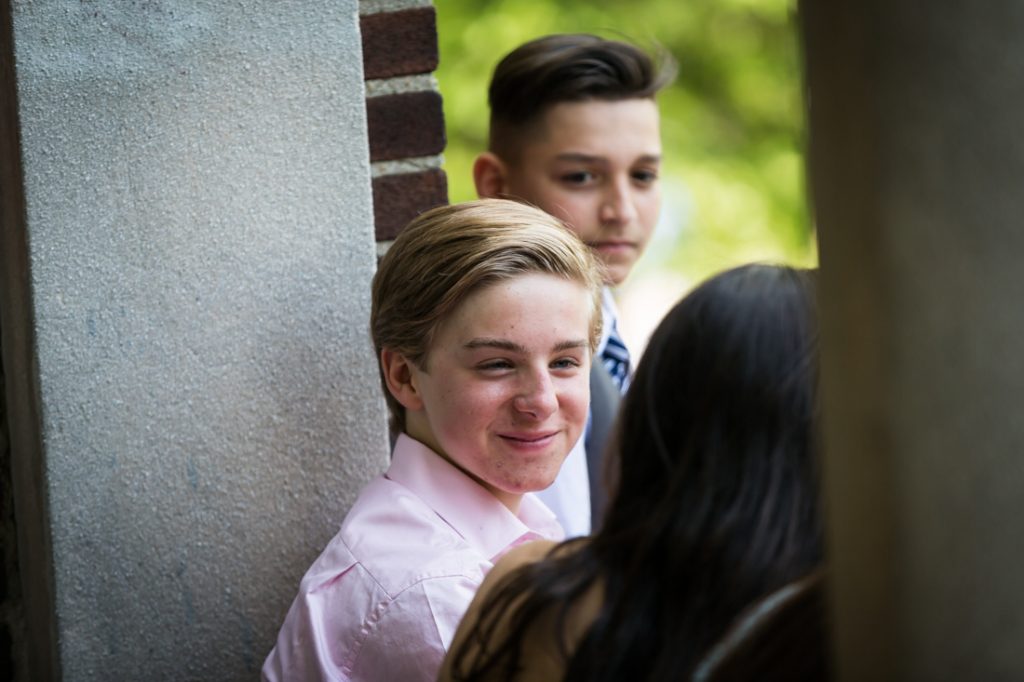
351, 629
390, 540
396, 611
526, 553
518, 556
406, 637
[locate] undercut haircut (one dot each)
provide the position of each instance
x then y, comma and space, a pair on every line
559, 68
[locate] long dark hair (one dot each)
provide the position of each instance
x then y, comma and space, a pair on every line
716, 501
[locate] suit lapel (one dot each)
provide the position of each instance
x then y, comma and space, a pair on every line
604, 405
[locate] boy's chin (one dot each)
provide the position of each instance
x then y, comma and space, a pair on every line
616, 276
616, 270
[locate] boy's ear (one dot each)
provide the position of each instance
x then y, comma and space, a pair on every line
398, 375
489, 176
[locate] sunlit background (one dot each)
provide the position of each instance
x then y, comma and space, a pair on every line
732, 127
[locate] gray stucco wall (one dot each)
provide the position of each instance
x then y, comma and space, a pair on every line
199, 222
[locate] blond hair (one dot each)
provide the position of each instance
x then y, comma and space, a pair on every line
450, 252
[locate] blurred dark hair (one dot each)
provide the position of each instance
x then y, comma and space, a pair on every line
716, 503
567, 68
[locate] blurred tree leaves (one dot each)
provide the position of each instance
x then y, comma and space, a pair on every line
732, 122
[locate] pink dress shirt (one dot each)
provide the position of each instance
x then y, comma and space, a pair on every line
383, 600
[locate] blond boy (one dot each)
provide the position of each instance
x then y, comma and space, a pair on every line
484, 319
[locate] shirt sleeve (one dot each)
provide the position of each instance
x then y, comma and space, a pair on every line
409, 639
312, 644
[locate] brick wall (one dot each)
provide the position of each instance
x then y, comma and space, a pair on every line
403, 105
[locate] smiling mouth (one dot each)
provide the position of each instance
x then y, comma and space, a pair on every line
529, 440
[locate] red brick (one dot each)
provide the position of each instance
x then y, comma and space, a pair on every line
397, 199
399, 43
405, 125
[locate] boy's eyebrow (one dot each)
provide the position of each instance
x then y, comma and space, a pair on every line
504, 344
579, 157
501, 344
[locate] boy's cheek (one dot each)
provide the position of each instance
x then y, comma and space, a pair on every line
578, 400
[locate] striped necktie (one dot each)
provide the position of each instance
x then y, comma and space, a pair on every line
615, 357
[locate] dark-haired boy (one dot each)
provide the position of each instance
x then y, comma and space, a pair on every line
574, 130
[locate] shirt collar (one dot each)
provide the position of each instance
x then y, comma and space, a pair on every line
609, 313
469, 508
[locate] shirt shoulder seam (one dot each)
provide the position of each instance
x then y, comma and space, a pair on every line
375, 616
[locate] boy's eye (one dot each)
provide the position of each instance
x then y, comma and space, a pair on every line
565, 363
645, 176
577, 177
494, 365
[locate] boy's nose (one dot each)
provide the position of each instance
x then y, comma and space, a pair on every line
617, 206
537, 397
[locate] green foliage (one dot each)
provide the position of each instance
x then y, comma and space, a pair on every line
732, 123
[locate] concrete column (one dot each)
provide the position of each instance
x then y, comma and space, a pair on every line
197, 398
917, 164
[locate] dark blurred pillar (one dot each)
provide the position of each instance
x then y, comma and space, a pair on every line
917, 171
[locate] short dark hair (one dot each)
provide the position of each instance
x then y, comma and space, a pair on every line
572, 67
